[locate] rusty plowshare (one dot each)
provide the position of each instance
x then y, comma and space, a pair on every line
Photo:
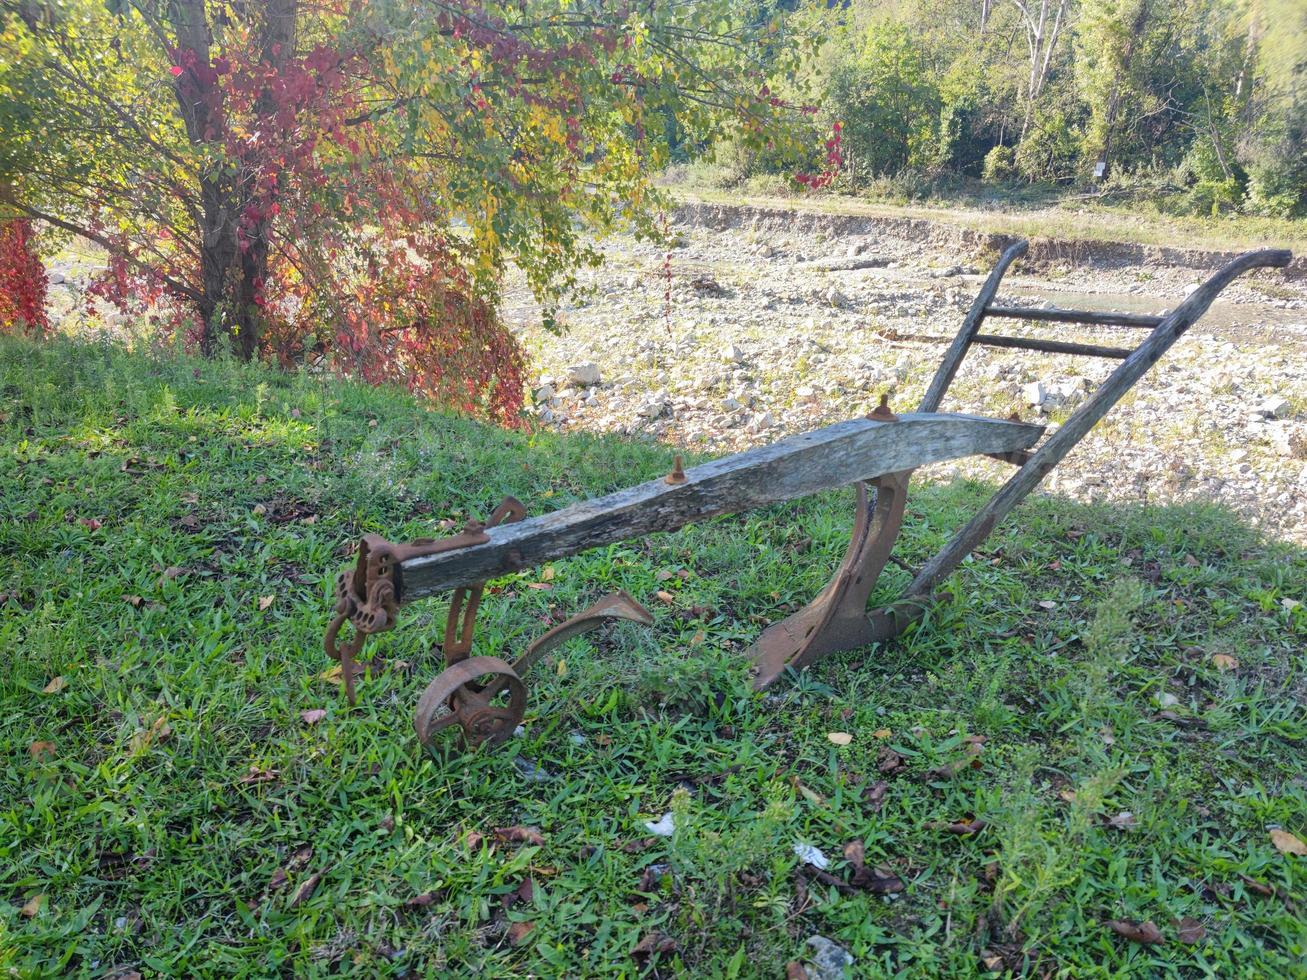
484, 696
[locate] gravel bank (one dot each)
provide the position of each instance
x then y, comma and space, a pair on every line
765, 323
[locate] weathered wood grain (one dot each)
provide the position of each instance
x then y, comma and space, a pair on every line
1120, 381
834, 456
1143, 321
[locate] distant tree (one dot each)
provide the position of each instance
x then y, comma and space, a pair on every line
350, 178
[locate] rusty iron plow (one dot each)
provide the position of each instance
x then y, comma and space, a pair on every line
484, 696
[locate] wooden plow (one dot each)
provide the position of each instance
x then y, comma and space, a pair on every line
485, 697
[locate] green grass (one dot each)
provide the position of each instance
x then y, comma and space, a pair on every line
155, 852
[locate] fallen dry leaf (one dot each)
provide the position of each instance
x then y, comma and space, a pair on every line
811, 795
305, 891
518, 932
266, 601
278, 879
1287, 843
663, 575
882, 733
878, 881
991, 961
159, 730
888, 761
312, 716
90, 523
134, 601
547, 573
519, 835
1046, 604
260, 510
653, 942
420, 901
257, 775
1223, 661
664, 596
171, 572
41, 751
970, 825
794, 971
56, 685
874, 795
1122, 821
840, 738
1136, 932
1189, 931
32, 907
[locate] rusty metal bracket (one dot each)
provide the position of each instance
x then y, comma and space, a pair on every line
368, 596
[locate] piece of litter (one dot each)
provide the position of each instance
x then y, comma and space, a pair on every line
519, 731
810, 855
577, 738
664, 827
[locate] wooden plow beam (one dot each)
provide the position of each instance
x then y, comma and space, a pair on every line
484, 696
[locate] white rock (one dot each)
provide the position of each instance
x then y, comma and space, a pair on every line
732, 354
653, 408
1274, 407
584, 374
829, 959
544, 393
1035, 394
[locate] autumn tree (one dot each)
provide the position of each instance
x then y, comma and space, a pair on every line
350, 179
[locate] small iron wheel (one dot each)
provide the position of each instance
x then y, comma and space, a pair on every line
482, 695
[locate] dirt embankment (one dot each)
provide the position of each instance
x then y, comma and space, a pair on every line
965, 242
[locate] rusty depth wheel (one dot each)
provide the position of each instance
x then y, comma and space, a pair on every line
482, 695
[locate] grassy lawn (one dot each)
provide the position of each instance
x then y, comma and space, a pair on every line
169, 532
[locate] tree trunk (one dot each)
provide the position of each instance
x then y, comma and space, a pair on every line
231, 276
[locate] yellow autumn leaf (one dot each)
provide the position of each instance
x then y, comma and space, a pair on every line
881, 733
332, 675
1223, 661
840, 738
1287, 843
33, 906
56, 685
266, 601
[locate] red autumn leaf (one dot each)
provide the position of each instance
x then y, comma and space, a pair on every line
420, 901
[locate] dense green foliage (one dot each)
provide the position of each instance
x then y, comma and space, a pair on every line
1202, 101
168, 530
